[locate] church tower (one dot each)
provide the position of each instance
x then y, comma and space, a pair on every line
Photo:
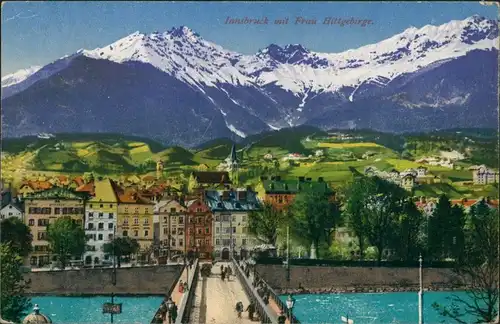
159, 169
233, 165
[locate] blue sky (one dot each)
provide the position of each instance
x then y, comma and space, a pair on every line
37, 33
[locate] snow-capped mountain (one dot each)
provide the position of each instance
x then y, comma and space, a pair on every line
19, 76
204, 84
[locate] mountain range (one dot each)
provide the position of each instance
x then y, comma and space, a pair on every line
180, 89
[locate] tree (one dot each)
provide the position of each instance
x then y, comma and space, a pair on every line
15, 232
478, 271
446, 237
265, 223
121, 246
313, 218
67, 239
14, 303
407, 237
356, 212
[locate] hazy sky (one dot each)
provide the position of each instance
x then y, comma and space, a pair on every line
37, 33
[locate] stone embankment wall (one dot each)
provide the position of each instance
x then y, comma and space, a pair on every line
134, 281
354, 279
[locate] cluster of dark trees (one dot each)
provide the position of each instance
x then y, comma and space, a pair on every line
381, 214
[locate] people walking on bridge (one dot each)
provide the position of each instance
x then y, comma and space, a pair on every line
223, 274
282, 318
181, 286
185, 286
173, 313
251, 309
239, 308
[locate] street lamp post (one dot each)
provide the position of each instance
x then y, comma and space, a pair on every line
288, 256
290, 302
420, 294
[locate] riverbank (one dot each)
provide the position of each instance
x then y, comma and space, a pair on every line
371, 289
322, 279
140, 281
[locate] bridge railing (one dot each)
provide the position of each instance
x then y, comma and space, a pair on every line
266, 316
159, 312
187, 299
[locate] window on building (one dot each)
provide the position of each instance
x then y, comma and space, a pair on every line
234, 229
99, 237
33, 260
244, 218
165, 231
207, 242
102, 205
125, 233
181, 220
110, 226
146, 233
101, 214
136, 221
146, 210
207, 230
199, 210
146, 221
136, 210
165, 220
100, 226
217, 230
111, 215
200, 231
136, 233
31, 222
181, 242
90, 206
110, 237
234, 218
110, 205
125, 221
91, 215
57, 211
173, 210
244, 242
91, 226
174, 231
217, 241
173, 242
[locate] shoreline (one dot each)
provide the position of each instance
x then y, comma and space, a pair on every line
91, 295
354, 290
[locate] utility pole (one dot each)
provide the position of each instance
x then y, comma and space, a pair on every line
420, 295
113, 280
288, 255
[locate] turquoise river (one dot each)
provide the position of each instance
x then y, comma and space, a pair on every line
379, 308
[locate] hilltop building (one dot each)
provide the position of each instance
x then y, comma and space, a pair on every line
100, 221
45, 208
281, 193
230, 225
481, 175
15, 208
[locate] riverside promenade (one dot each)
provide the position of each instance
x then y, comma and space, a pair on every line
215, 300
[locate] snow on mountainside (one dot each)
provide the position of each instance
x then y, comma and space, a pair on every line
179, 78
186, 55
19, 76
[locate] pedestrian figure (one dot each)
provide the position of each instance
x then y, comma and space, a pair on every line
181, 286
170, 307
174, 313
221, 268
239, 308
282, 318
185, 286
251, 310
222, 274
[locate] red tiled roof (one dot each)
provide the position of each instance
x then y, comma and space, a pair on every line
212, 177
79, 181
465, 203
89, 187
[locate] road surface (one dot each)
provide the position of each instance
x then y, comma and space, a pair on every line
215, 300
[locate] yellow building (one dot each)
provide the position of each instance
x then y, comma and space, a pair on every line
44, 208
135, 218
100, 220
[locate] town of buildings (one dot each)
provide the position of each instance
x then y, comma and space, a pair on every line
208, 219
